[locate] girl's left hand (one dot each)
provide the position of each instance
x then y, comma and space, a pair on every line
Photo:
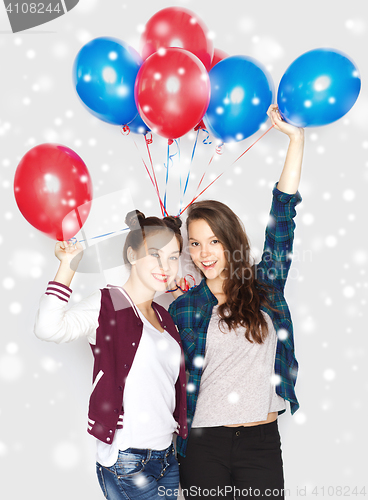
279, 124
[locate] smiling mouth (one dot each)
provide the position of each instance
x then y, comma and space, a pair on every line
161, 277
209, 264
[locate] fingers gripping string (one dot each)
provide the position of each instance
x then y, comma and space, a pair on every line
187, 288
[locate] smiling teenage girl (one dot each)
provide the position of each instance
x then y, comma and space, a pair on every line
238, 341
138, 393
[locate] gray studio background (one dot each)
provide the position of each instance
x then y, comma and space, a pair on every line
45, 451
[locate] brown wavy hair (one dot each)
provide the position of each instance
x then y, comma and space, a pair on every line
244, 295
141, 226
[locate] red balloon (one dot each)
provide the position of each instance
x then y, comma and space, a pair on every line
53, 190
177, 27
172, 91
218, 55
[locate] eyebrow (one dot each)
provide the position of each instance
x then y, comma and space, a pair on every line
158, 250
209, 238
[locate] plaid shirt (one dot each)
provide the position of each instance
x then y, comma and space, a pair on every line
192, 311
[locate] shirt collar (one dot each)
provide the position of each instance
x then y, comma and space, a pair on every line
206, 294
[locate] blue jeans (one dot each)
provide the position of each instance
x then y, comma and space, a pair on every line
141, 475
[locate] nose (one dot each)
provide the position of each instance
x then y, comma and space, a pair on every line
204, 251
164, 264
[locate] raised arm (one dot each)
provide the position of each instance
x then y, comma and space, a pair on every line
290, 175
276, 258
54, 321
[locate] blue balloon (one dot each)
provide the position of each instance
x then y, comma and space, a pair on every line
241, 92
104, 74
138, 126
318, 88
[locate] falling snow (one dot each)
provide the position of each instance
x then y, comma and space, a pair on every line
327, 290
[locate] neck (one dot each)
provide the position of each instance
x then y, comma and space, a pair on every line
216, 285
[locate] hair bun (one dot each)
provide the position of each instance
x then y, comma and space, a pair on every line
173, 222
133, 218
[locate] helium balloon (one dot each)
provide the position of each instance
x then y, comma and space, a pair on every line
138, 126
218, 55
53, 190
177, 27
104, 74
172, 92
318, 88
241, 92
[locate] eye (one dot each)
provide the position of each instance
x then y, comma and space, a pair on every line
173, 258
194, 244
154, 255
215, 241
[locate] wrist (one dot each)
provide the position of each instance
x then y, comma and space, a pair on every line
64, 274
297, 136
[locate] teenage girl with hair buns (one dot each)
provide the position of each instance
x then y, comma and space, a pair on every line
138, 394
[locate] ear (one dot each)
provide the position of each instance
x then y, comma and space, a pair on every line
131, 256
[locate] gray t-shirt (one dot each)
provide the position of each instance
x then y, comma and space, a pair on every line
238, 379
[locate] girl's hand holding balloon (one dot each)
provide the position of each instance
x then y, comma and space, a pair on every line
67, 251
279, 124
69, 255
290, 175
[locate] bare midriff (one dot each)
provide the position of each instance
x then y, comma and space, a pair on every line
271, 418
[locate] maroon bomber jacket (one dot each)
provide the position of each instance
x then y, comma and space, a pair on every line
117, 339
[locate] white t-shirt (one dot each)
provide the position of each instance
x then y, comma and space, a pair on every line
149, 396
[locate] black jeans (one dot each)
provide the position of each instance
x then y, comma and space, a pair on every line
233, 462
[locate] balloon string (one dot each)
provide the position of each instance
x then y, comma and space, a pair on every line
148, 141
188, 175
100, 236
255, 142
200, 193
208, 136
170, 163
167, 171
163, 210
218, 151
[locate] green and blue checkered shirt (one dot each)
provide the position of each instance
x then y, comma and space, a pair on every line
192, 311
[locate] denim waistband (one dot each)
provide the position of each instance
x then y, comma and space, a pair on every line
147, 454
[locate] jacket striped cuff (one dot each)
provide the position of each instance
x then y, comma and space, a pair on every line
59, 290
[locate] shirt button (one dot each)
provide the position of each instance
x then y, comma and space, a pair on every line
133, 343
108, 439
237, 433
110, 431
